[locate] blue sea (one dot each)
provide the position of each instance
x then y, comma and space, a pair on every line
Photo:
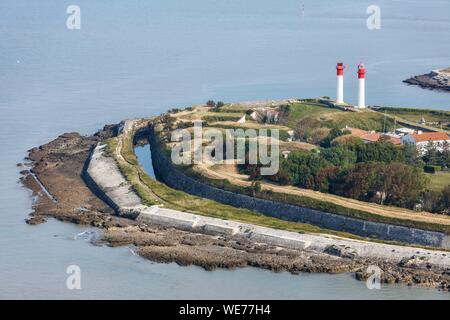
139, 58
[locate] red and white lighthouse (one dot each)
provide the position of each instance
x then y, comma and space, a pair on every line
361, 86
340, 83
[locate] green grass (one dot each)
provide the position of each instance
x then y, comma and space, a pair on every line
283, 133
176, 199
438, 180
335, 118
416, 115
299, 111
316, 204
233, 108
222, 116
182, 201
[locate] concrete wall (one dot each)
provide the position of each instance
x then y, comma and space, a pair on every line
104, 178
165, 171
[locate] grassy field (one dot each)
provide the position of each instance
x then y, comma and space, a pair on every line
439, 180
154, 192
299, 111
416, 115
336, 118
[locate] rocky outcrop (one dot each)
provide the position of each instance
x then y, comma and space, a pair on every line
435, 80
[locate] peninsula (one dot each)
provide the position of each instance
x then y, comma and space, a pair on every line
434, 80
327, 209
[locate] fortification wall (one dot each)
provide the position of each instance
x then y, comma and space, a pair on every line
173, 177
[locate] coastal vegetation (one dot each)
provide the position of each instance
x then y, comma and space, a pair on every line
377, 172
154, 192
315, 115
336, 170
434, 118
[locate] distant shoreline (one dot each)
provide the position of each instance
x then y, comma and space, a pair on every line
434, 80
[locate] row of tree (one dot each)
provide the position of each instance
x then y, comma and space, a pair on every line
435, 157
377, 172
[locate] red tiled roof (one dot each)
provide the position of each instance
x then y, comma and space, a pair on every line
372, 137
396, 141
430, 136
356, 132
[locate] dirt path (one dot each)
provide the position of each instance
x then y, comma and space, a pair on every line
387, 211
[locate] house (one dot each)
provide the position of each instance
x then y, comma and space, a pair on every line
404, 131
372, 136
422, 139
366, 136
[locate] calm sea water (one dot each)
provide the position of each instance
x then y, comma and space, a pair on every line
139, 58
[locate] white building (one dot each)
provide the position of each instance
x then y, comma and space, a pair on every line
241, 120
422, 139
404, 131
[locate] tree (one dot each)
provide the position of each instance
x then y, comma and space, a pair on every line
334, 133
380, 152
360, 181
324, 177
219, 104
347, 140
304, 128
339, 156
445, 155
402, 184
255, 187
446, 200
210, 103
432, 201
411, 155
431, 156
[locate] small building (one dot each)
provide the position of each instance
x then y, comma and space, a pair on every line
285, 153
372, 136
404, 131
241, 120
422, 139
291, 135
366, 136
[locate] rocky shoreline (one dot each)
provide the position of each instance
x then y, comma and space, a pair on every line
53, 173
435, 80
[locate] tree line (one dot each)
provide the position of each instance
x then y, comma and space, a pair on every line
375, 172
